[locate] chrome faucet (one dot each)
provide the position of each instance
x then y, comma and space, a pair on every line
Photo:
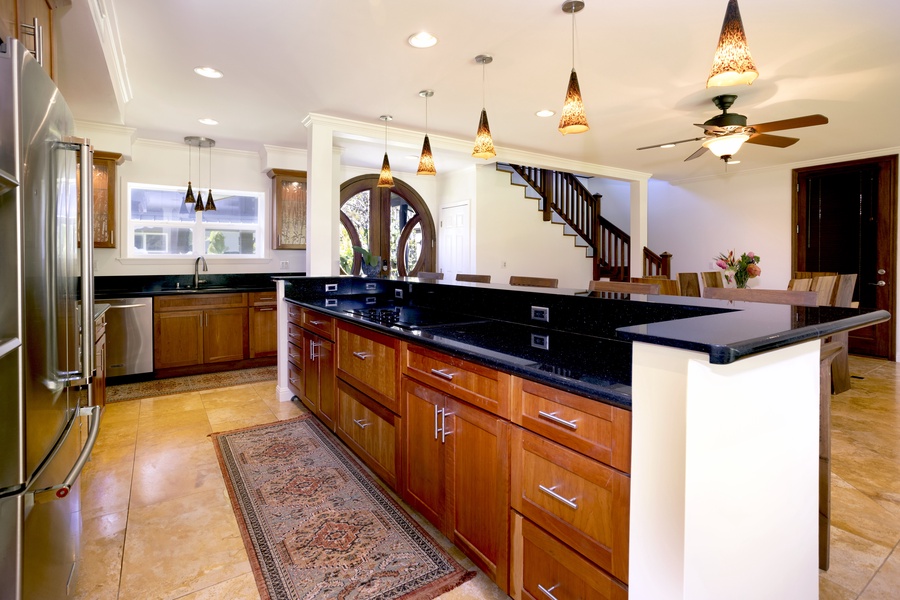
197, 280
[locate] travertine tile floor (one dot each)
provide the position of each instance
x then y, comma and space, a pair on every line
158, 522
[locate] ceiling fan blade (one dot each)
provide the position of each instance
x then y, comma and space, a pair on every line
795, 123
700, 151
697, 139
778, 141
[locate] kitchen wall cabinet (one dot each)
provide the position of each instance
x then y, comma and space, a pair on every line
99, 387
455, 472
18, 18
104, 170
263, 318
199, 329
288, 209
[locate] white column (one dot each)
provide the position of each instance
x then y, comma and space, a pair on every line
323, 201
638, 226
281, 384
724, 481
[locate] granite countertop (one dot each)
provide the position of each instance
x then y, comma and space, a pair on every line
131, 286
585, 345
99, 309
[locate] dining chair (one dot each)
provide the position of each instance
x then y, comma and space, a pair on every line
545, 282
429, 275
473, 278
689, 283
800, 284
623, 287
840, 366
825, 286
712, 279
667, 287
792, 297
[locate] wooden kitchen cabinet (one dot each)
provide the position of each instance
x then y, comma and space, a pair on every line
263, 317
104, 170
224, 337
99, 384
18, 19
455, 471
370, 362
288, 209
199, 329
177, 339
318, 377
370, 430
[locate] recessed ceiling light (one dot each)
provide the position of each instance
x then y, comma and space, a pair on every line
412, 157
667, 146
545, 113
209, 121
423, 39
208, 72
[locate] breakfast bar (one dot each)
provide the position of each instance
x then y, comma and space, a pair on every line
704, 473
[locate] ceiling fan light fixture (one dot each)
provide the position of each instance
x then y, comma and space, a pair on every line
732, 63
726, 145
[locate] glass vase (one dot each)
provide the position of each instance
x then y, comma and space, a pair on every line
741, 278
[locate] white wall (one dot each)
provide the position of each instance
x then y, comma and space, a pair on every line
616, 202
459, 187
509, 230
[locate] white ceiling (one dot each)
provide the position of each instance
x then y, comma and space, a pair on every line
642, 67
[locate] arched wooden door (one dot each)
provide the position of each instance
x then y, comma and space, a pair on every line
393, 223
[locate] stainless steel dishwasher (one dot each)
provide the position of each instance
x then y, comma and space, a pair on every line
129, 336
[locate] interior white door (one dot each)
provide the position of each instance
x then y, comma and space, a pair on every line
453, 241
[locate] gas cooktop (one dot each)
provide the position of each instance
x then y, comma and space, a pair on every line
411, 317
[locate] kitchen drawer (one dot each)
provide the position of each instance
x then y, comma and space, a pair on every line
370, 362
295, 313
541, 561
198, 301
99, 327
598, 430
371, 431
578, 500
263, 298
295, 380
483, 387
318, 323
295, 334
295, 353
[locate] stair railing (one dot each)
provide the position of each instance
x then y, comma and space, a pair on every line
657, 264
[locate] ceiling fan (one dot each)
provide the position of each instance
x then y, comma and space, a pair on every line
725, 133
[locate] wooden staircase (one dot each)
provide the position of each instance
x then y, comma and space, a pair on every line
565, 200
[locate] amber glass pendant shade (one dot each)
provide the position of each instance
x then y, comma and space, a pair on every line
484, 144
210, 204
385, 180
573, 118
426, 160
189, 197
732, 63
199, 204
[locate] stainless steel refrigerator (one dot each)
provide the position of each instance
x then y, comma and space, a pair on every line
47, 426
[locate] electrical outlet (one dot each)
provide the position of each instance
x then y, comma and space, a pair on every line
540, 341
284, 265
540, 313
398, 293
503, 265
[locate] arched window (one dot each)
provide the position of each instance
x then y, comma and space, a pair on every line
393, 223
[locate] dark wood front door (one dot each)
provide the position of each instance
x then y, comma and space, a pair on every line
846, 222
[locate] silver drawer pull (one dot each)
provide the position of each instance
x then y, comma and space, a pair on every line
361, 355
293, 380
265, 309
443, 374
294, 335
317, 323
546, 592
362, 424
573, 425
554, 495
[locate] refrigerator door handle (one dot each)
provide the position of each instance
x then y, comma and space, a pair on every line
62, 490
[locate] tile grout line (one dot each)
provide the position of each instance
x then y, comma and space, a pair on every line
878, 570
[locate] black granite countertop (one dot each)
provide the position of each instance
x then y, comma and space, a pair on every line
585, 345
131, 286
99, 309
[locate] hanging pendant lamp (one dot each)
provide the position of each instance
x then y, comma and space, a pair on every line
484, 143
385, 180
210, 204
573, 118
189, 198
732, 63
426, 160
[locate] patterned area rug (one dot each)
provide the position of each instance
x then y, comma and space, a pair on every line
188, 383
316, 525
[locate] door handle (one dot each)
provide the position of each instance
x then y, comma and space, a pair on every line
62, 490
879, 283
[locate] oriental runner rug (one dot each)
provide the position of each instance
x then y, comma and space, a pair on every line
188, 383
316, 525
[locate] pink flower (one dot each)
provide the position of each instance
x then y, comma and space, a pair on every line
753, 270
751, 255
721, 264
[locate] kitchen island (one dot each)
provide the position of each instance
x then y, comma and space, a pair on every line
721, 406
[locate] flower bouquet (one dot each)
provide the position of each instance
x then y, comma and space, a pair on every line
739, 270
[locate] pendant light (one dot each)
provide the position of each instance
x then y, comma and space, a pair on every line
385, 180
426, 160
200, 143
484, 144
189, 196
210, 204
732, 63
573, 118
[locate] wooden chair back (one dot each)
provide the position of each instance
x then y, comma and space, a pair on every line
812, 274
623, 287
545, 282
800, 285
712, 279
689, 283
792, 297
429, 275
824, 285
845, 286
473, 278
667, 287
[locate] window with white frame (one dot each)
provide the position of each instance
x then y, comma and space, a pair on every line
161, 224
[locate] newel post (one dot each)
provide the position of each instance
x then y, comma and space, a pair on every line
666, 264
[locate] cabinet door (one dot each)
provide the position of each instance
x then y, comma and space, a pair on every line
43, 12
105, 198
224, 334
327, 408
288, 209
263, 331
423, 451
477, 446
371, 431
310, 386
178, 339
